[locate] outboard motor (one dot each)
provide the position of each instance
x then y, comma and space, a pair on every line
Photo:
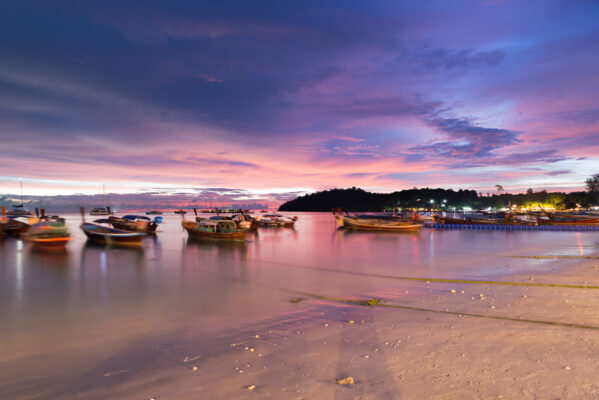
157, 220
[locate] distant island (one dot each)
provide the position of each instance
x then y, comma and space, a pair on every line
356, 199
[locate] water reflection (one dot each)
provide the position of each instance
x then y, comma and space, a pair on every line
52, 258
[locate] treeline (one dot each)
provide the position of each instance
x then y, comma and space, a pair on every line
355, 199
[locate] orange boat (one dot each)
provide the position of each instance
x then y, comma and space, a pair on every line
48, 234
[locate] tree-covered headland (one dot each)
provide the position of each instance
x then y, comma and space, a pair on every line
355, 199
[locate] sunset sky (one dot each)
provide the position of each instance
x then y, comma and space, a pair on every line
286, 97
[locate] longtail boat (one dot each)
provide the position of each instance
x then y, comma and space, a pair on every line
51, 234
135, 223
567, 219
507, 220
104, 234
107, 235
277, 220
246, 222
214, 229
371, 224
14, 227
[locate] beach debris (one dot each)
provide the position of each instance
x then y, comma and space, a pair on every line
257, 336
345, 381
371, 302
251, 349
251, 387
351, 321
567, 368
195, 368
452, 291
190, 359
296, 300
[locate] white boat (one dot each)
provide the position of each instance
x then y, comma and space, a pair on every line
101, 210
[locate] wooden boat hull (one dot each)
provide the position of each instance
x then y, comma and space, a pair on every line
575, 223
192, 231
106, 235
481, 221
368, 225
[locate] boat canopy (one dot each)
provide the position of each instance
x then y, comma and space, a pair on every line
134, 217
224, 224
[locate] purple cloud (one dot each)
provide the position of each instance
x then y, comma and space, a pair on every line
467, 140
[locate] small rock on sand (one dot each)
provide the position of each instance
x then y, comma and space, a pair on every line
251, 387
345, 381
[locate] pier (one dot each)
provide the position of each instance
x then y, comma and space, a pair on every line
498, 227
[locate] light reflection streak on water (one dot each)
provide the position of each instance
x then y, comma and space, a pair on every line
103, 263
580, 247
19, 266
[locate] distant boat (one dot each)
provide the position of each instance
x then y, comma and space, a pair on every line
223, 229
135, 223
18, 210
101, 210
153, 212
182, 212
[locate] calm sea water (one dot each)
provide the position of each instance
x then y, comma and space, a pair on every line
53, 305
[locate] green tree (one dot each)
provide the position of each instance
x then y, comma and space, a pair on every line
593, 183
